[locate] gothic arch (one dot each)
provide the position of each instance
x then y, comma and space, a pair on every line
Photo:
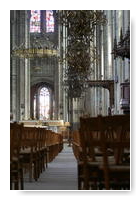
35, 88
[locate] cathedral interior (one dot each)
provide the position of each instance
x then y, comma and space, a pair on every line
69, 78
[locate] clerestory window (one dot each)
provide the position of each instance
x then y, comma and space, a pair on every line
41, 20
35, 21
49, 21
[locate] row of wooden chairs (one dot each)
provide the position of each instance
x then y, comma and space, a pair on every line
31, 148
102, 149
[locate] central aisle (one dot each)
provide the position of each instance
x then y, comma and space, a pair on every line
61, 173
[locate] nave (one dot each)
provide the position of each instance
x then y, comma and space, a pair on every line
99, 158
61, 173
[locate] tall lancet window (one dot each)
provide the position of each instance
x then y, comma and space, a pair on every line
44, 103
49, 21
35, 21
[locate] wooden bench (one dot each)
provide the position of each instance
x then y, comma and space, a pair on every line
16, 168
31, 148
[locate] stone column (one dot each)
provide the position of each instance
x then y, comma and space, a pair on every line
56, 90
93, 77
58, 83
27, 90
21, 68
32, 104
37, 105
13, 68
107, 58
126, 24
27, 70
14, 89
92, 74
22, 90
119, 63
109, 36
64, 100
51, 105
104, 104
97, 73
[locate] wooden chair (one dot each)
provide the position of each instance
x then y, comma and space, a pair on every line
77, 150
116, 136
89, 134
103, 140
16, 170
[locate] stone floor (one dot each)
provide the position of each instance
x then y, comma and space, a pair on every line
61, 173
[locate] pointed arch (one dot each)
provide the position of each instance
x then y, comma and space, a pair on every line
42, 100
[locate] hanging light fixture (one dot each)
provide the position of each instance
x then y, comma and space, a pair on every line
40, 47
80, 33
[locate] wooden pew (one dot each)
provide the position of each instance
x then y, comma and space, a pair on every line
54, 142
30, 151
16, 168
31, 148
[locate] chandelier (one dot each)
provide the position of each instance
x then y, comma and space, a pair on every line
80, 26
40, 47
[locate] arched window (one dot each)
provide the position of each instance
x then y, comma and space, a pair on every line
49, 21
35, 21
44, 99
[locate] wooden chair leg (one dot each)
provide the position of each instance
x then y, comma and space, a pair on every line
21, 179
16, 182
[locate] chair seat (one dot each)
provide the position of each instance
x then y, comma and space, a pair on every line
27, 151
119, 168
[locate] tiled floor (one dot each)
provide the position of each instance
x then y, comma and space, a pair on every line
61, 173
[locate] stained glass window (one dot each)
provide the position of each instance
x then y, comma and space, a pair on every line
44, 104
49, 21
35, 21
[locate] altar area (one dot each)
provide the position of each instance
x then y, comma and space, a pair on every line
57, 126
